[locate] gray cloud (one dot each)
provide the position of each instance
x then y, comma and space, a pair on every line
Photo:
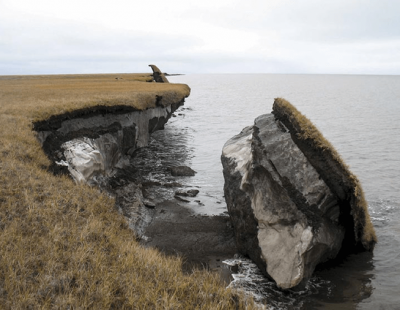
311, 20
82, 48
271, 36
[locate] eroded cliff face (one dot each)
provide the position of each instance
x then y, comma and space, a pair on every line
95, 146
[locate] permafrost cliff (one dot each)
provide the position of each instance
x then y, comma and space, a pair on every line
94, 145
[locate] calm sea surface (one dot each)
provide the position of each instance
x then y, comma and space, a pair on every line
359, 115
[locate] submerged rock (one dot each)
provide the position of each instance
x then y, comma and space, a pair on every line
187, 193
177, 197
292, 201
182, 171
172, 184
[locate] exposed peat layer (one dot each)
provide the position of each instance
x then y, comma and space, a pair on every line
64, 244
360, 233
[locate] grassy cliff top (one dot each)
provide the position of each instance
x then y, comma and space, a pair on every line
64, 245
327, 161
42, 96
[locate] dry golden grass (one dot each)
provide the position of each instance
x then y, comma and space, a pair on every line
307, 131
39, 97
65, 246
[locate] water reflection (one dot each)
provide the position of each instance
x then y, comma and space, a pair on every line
174, 146
167, 148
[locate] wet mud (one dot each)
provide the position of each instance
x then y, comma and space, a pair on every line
202, 241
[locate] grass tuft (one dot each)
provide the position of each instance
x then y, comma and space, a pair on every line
307, 132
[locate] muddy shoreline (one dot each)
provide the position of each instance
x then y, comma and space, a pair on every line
202, 241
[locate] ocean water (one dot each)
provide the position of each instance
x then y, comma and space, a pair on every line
359, 115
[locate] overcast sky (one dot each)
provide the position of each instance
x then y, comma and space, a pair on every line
207, 36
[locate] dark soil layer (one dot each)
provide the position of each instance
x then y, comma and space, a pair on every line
55, 121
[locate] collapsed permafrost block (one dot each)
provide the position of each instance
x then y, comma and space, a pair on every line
292, 201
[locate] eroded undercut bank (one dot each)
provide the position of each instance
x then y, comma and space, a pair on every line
93, 141
95, 145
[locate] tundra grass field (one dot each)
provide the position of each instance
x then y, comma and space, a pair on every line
65, 246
